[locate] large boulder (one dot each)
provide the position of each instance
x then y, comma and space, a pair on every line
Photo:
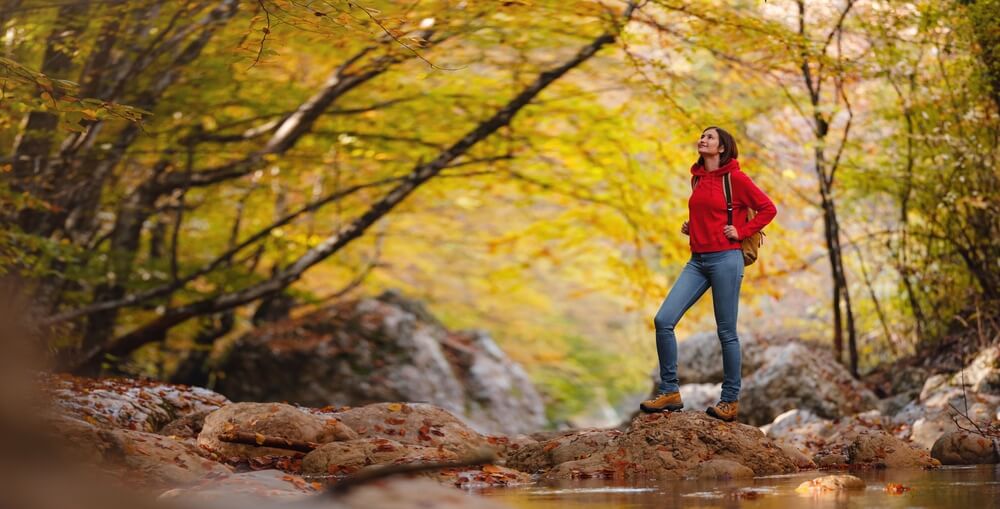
880, 449
417, 424
796, 376
941, 404
861, 440
125, 403
656, 446
801, 429
149, 459
699, 357
187, 426
340, 458
965, 448
385, 349
982, 375
720, 470
545, 454
268, 419
138, 458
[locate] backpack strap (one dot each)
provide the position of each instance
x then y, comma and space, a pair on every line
727, 186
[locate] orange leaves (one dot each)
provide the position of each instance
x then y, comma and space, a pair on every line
301, 483
385, 447
424, 433
896, 488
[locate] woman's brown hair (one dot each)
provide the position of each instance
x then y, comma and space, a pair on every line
726, 140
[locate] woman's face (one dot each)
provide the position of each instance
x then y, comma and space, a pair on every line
708, 144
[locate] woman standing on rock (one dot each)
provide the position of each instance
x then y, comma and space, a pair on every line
716, 262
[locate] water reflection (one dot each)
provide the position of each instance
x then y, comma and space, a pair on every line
972, 486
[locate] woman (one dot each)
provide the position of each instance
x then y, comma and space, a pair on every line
716, 262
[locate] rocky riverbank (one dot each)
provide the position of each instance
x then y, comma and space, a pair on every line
191, 443
179, 440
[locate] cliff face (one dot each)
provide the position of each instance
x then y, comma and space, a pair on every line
384, 349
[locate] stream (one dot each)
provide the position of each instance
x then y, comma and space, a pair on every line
975, 486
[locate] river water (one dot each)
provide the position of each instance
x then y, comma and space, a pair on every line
971, 487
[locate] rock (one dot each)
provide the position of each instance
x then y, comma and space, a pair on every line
505, 446
964, 448
862, 439
148, 459
247, 488
568, 447
801, 429
414, 423
831, 484
798, 457
895, 404
269, 419
982, 374
933, 384
926, 430
924, 421
699, 357
340, 458
698, 397
138, 458
878, 448
188, 426
830, 460
908, 380
124, 403
386, 349
721, 470
76, 441
658, 446
796, 376
485, 476
847, 429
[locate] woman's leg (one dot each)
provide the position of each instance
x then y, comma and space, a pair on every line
726, 276
688, 288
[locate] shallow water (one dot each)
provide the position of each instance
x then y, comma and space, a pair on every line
967, 486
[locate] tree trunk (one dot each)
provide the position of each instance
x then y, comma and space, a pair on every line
33, 145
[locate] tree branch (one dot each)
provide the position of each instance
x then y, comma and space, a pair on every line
420, 174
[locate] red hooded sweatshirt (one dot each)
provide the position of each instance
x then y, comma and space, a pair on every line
707, 208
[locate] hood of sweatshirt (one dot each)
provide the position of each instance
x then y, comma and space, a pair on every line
700, 171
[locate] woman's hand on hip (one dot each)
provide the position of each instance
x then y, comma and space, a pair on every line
730, 232
684, 228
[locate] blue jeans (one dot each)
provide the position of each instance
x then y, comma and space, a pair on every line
723, 272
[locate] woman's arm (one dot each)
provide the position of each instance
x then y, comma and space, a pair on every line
748, 192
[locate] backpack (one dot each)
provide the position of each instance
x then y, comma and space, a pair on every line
750, 244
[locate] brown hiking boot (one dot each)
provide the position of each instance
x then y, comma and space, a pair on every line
725, 410
670, 401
